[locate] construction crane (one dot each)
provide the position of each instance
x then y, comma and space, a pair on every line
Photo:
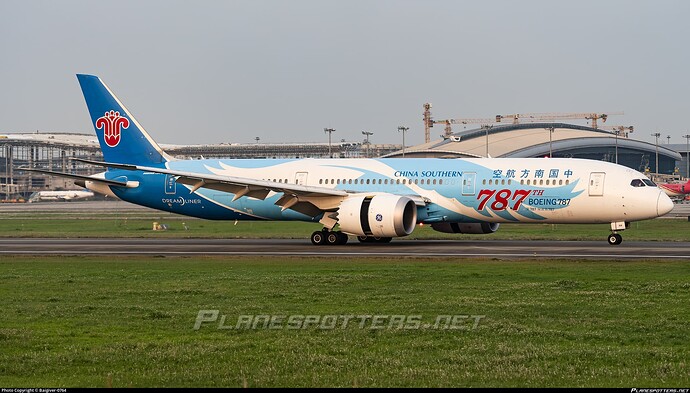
619, 130
429, 121
558, 116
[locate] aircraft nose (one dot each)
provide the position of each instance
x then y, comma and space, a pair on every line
664, 204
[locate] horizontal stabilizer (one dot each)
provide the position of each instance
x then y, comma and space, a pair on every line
79, 177
107, 164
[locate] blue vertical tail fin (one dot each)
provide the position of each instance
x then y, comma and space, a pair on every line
123, 140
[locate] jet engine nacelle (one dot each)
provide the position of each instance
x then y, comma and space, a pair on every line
380, 215
474, 228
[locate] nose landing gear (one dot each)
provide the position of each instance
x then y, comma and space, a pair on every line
615, 239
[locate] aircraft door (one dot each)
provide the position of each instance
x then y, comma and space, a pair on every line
596, 183
468, 183
170, 185
301, 178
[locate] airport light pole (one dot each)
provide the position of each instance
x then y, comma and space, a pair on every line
404, 130
687, 155
617, 131
7, 187
657, 135
486, 128
668, 139
329, 131
367, 133
551, 129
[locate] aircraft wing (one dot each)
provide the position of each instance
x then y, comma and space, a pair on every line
308, 200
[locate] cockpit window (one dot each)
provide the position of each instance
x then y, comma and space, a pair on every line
637, 183
649, 182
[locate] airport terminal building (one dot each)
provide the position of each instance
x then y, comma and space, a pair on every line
556, 140
53, 151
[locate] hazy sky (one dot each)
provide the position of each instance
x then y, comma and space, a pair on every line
229, 71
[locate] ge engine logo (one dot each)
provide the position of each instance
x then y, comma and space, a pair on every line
379, 217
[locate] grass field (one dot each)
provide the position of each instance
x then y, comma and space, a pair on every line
121, 322
29, 225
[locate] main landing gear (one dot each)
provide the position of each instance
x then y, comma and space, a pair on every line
325, 236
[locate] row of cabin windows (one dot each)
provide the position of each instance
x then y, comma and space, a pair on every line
490, 182
278, 180
529, 182
380, 181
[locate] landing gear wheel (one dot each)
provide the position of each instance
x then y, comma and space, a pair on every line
343, 238
364, 239
318, 238
333, 238
615, 239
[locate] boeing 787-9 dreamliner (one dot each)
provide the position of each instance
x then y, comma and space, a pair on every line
374, 199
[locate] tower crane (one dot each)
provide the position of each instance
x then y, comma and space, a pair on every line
429, 122
558, 116
448, 131
619, 130
516, 118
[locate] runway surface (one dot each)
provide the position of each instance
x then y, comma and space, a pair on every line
500, 249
